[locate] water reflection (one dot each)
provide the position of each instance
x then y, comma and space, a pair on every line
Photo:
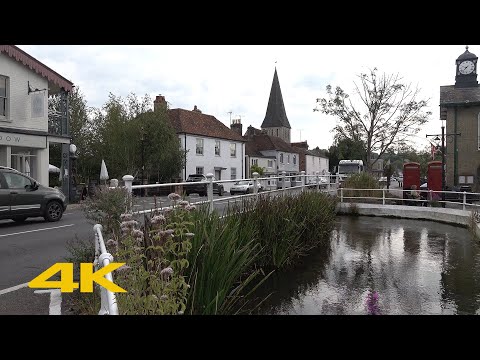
417, 267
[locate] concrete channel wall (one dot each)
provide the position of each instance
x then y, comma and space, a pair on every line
449, 216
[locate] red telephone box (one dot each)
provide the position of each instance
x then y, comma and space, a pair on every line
434, 175
411, 176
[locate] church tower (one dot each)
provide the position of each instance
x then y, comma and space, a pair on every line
460, 108
276, 121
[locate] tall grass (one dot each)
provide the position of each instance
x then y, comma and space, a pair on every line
230, 256
222, 256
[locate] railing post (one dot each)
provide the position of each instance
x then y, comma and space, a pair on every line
430, 195
255, 183
128, 180
210, 191
284, 173
383, 196
113, 183
317, 180
341, 195
464, 199
329, 181
302, 176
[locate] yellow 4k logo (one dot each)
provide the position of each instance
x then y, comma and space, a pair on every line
66, 283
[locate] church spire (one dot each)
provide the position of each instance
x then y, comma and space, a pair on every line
276, 115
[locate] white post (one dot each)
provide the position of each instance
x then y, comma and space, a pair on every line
255, 183
113, 183
210, 190
284, 173
341, 195
430, 195
302, 176
464, 199
329, 181
128, 180
383, 195
317, 180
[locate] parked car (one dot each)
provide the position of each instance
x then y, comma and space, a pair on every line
201, 189
22, 197
244, 187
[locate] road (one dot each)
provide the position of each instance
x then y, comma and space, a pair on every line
27, 249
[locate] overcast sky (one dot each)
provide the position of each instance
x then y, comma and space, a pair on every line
237, 78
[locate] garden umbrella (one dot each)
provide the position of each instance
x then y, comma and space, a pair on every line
104, 172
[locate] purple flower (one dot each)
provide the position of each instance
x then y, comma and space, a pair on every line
174, 196
371, 303
126, 217
169, 232
183, 203
167, 210
158, 219
111, 242
123, 268
190, 207
167, 271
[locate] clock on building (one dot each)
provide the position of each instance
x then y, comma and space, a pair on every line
466, 70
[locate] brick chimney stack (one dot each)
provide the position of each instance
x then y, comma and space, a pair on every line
196, 109
159, 102
236, 126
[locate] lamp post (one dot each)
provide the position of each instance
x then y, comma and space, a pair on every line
143, 164
437, 139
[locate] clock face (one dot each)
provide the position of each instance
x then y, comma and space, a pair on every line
466, 67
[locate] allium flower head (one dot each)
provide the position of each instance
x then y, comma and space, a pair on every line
183, 203
190, 207
111, 242
169, 232
123, 268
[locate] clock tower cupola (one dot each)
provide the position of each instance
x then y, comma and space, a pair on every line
466, 75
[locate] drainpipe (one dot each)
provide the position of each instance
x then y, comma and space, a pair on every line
185, 149
455, 151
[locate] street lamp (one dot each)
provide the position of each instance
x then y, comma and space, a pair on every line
143, 164
437, 139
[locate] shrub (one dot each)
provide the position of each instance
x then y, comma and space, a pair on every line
105, 207
361, 181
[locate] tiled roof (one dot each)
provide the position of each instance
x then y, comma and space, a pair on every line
35, 65
265, 142
450, 95
251, 149
276, 115
196, 123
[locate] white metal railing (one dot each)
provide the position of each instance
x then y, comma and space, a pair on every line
108, 305
425, 197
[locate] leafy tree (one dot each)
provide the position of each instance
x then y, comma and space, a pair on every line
258, 169
344, 149
391, 112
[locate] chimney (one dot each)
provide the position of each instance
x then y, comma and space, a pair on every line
196, 109
301, 144
236, 126
159, 102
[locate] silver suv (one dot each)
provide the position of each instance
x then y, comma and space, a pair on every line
22, 197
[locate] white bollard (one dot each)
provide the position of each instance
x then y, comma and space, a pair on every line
209, 177
128, 180
302, 176
255, 182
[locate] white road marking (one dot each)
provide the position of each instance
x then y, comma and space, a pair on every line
55, 307
13, 288
29, 231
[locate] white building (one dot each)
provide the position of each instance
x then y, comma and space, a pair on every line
211, 146
25, 137
271, 148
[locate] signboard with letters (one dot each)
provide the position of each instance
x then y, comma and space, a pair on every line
24, 140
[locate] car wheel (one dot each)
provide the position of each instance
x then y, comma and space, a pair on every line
54, 211
19, 219
220, 191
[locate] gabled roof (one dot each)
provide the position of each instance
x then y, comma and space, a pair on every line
35, 65
196, 123
451, 95
276, 115
264, 142
251, 149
